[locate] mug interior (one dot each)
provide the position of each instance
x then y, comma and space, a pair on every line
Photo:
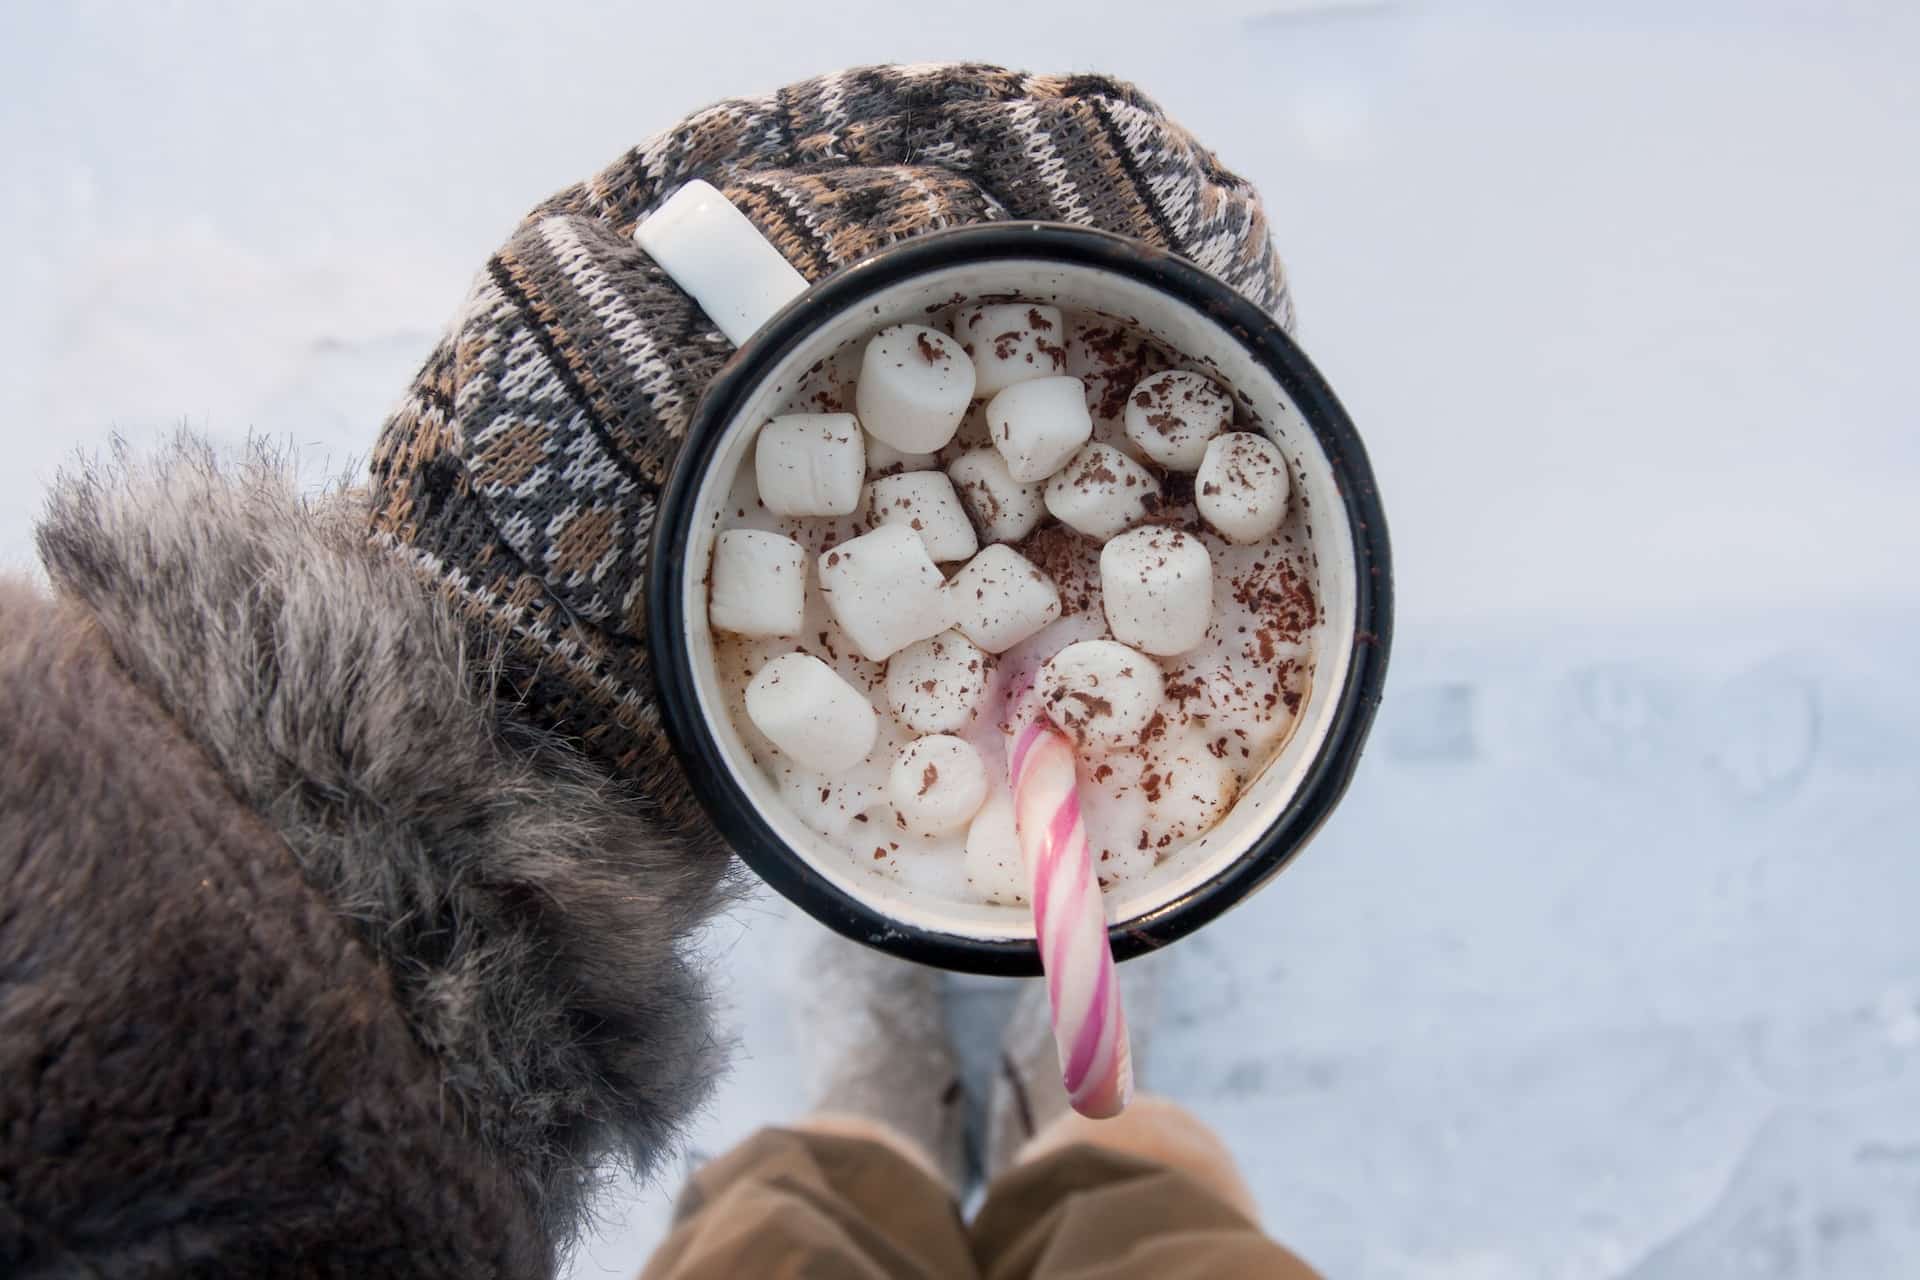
1205, 343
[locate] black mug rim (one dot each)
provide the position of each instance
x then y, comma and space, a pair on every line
1327, 776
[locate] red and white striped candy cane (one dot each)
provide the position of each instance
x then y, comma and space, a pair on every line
1089, 1027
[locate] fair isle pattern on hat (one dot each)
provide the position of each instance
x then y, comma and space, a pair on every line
521, 472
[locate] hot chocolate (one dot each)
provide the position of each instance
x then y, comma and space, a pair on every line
1026, 491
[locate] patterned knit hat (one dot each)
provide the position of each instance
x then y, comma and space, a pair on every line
521, 473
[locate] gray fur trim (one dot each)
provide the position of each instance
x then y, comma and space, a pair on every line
533, 916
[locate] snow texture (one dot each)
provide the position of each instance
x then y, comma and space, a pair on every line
1607, 967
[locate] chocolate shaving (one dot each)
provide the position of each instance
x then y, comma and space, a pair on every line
1094, 703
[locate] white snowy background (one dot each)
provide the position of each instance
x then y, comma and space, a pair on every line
1608, 966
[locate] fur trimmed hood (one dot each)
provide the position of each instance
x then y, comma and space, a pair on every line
531, 911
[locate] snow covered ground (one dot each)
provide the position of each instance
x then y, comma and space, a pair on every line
1605, 969
1608, 966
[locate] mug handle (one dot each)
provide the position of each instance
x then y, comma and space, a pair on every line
720, 259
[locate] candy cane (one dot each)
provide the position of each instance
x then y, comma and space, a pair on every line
1089, 1028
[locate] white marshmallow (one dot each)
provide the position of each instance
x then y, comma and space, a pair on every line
1243, 486
1038, 425
1101, 693
915, 385
1115, 812
758, 586
1171, 416
826, 804
1157, 585
883, 590
1004, 509
810, 464
885, 460
1101, 491
925, 502
811, 714
1011, 342
937, 784
1000, 598
935, 685
994, 865
1188, 791
1112, 358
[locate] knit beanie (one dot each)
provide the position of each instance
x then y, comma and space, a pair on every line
520, 474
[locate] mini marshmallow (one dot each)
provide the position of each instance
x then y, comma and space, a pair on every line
810, 464
1243, 486
936, 685
885, 460
915, 386
826, 805
811, 714
1038, 425
1011, 342
1114, 809
758, 586
1100, 693
1157, 585
1112, 359
993, 862
1247, 700
1004, 509
925, 502
1171, 416
1000, 598
883, 590
937, 784
1188, 791
1101, 491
